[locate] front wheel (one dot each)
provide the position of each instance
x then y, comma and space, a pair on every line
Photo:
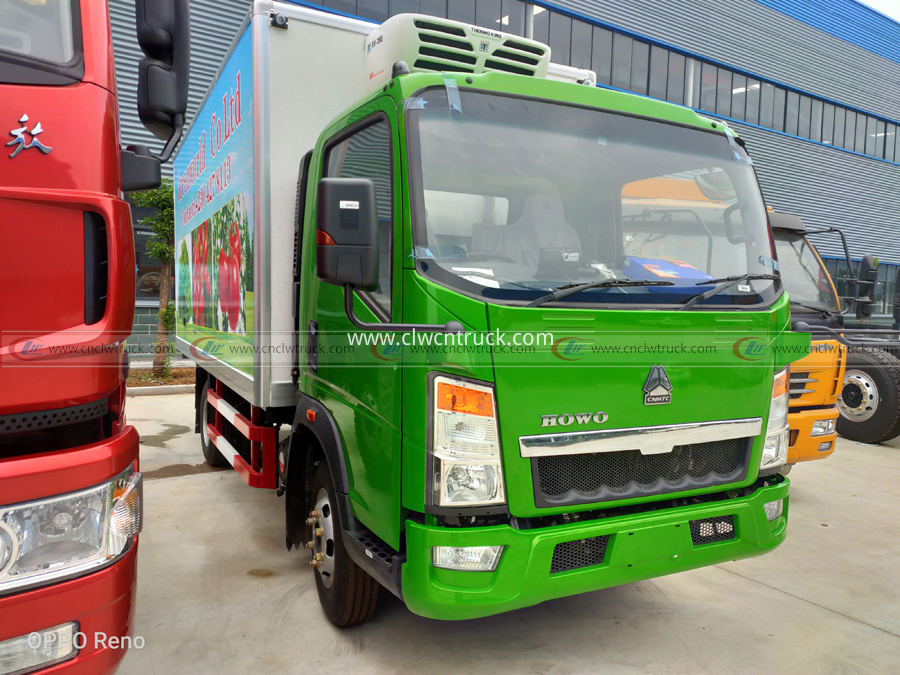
870, 399
210, 452
347, 593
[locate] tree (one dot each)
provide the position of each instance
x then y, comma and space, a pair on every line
162, 247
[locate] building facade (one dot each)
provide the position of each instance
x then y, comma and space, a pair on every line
813, 87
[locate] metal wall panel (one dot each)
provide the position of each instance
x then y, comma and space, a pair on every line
828, 187
213, 27
747, 35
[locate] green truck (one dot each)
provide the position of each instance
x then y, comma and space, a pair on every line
507, 374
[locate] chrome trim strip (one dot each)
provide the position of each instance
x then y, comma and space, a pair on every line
649, 440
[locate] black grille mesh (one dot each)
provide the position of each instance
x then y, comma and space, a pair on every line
606, 476
797, 387
573, 555
712, 530
47, 419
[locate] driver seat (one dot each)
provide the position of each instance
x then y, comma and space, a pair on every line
541, 225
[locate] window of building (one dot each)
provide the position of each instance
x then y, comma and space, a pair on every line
541, 24
402, 6
462, 10
778, 105
512, 18
850, 130
792, 113
753, 95
766, 104
827, 123
488, 13
659, 66
738, 96
879, 138
708, 75
640, 66
804, 124
840, 120
815, 122
560, 38
435, 8
861, 122
870, 131
675, 85
375, 10
367, 154
581, 45
692, 72
723, 93
601, 55
890, 137
621, 64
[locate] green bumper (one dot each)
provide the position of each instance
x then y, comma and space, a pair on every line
640, 546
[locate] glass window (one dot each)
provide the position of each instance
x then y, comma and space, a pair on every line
815, 121
513, 17
640, 66
461, 10
766, 105
376, 10
871, 131
778, 109
367, 154
792, 113
675, 86
692, 72
488, 13
708, 87
560, 38
348, 6
659, 64
805, 117
840, 115
804, 278
401, 6
621, 77
684, 199
723, 93
581, 45
541, 28
601, 55
879, 138
434, 8
890, 136
738, 96
147, 268
827, 123
850, 130
753, 90
860, 132
40, 30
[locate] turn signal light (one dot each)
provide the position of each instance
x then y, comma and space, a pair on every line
780, 386
323, 238
454, 398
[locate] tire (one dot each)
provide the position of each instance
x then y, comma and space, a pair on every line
870, 398
210, 452
347, 593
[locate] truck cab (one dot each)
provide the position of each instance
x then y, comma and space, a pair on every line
817, 379
512, 382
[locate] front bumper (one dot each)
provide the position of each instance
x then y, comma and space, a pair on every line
804, 447
640, 546
101, 603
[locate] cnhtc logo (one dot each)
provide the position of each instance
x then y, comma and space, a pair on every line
657, 388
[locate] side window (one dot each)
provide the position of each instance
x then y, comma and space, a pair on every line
367, 154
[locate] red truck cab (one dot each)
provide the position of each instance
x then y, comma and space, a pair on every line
70, 489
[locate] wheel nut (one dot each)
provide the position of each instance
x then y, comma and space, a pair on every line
314, 563
310, 521
310, 544
319, 532
320, 557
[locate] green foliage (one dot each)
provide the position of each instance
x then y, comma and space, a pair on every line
162, 223
168, 317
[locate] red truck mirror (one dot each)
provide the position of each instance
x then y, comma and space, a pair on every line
164, 34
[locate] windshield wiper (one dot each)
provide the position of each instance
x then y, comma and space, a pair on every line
723, 284
572, 289
820, 310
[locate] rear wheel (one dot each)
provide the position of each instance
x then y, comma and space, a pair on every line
870, 399
207, 414
347, 594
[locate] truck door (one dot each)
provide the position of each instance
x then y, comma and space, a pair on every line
360, 383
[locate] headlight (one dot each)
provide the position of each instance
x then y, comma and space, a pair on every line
466, 558
774, 453
774, 509
69, 535
466, 450
822, 427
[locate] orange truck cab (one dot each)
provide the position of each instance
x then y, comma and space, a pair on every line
817, 378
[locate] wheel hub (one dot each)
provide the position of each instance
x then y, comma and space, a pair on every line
859, 398
322, 544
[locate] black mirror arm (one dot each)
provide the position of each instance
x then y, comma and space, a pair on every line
169, 148
449, 327
840, 335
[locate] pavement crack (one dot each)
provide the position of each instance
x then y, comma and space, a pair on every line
809, 602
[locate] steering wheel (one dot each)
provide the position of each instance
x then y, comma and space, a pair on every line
481, 256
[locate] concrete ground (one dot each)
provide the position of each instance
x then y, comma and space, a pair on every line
218, 592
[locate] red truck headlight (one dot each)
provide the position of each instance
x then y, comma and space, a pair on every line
69, 535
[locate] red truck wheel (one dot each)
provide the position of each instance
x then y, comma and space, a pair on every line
347, 594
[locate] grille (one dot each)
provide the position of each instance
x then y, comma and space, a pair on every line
606, 476
712, 530
573, 555
46, 419
798, 385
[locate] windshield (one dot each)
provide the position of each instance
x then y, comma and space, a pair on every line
518, 197
805, 280
40, 41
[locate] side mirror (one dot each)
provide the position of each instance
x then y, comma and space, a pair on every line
164, 34
868, 275
347, 233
